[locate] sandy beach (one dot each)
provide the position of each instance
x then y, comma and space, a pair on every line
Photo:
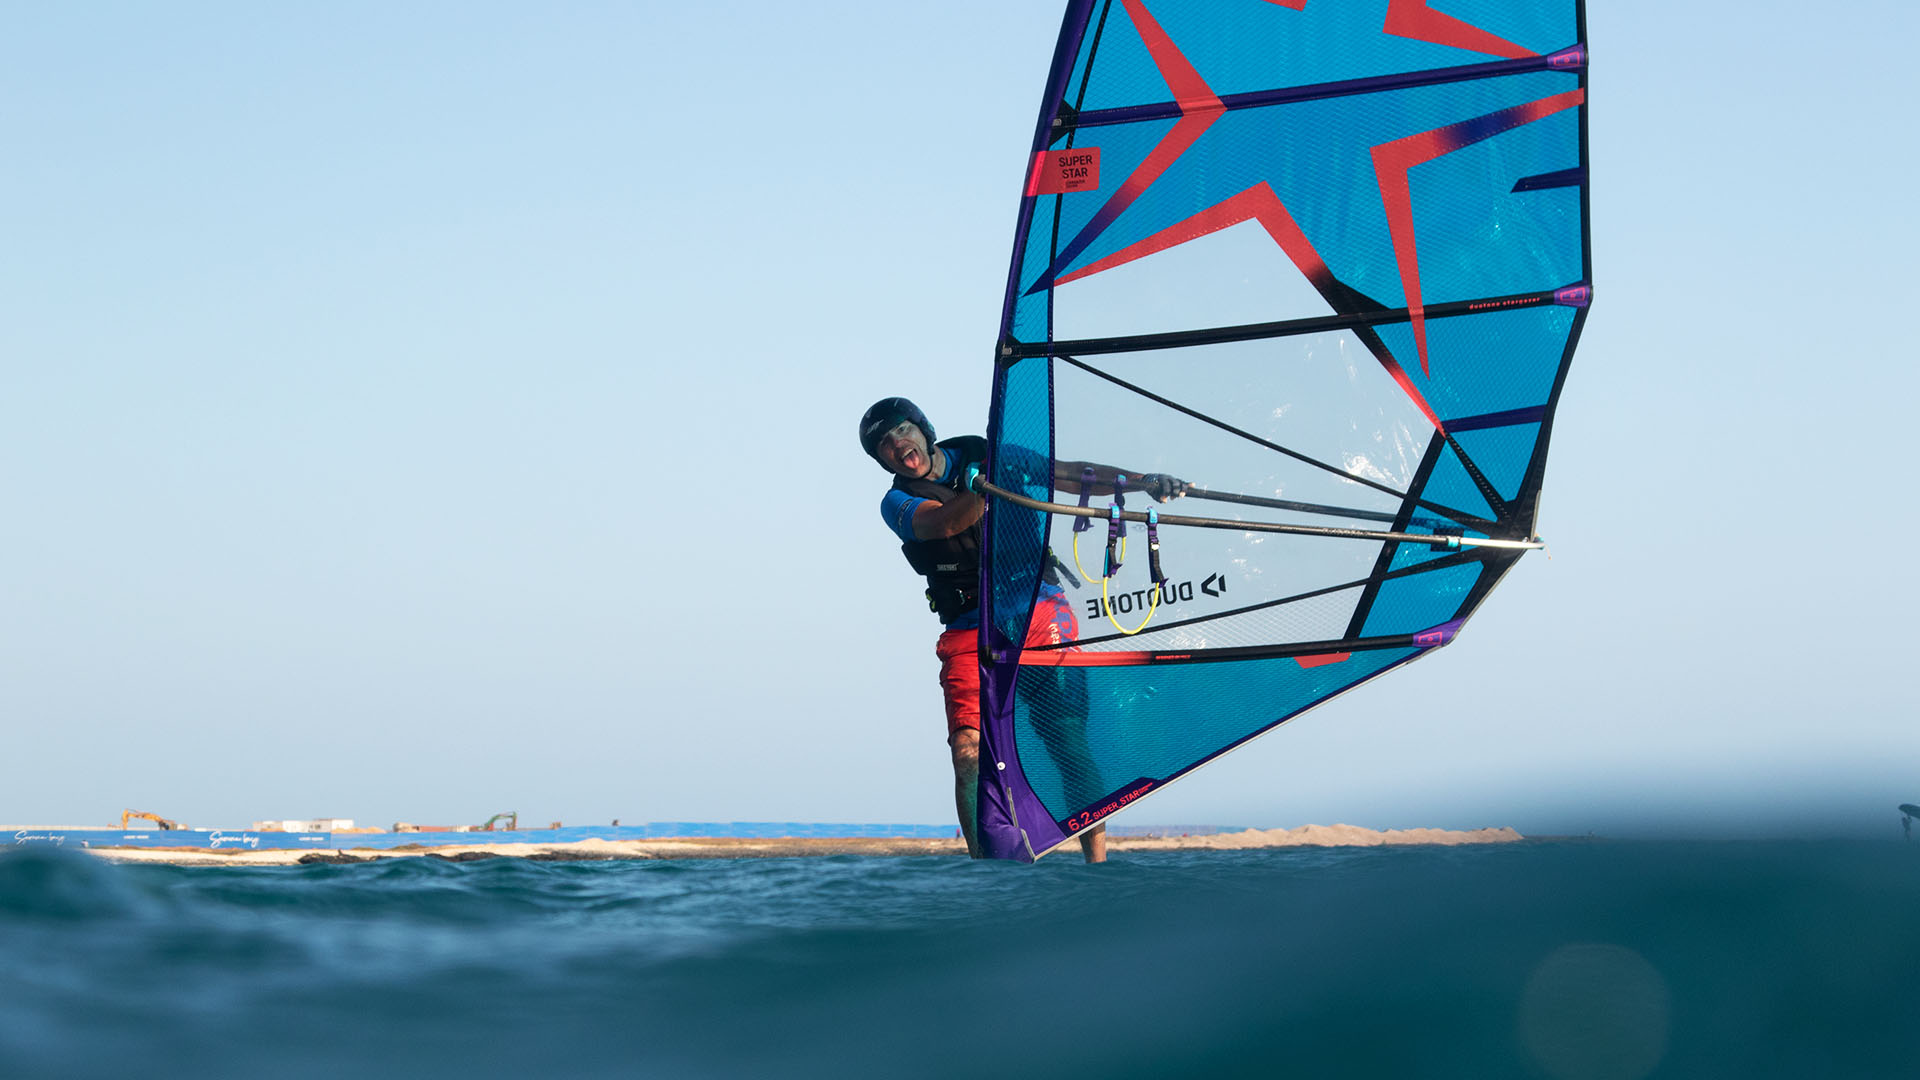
791, 847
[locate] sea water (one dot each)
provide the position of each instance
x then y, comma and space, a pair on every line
1559, 959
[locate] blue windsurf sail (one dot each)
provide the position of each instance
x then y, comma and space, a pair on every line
1325, 260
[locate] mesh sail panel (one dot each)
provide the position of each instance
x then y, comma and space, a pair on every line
1088, 736
1326, 262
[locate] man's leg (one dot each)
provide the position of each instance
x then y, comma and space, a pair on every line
960, 686
966, 779
1093, 844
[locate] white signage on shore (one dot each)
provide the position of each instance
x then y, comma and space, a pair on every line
217, 839
25, 837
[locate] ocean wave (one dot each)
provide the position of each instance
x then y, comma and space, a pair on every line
1531, 959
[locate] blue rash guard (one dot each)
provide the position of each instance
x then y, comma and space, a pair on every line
898, 507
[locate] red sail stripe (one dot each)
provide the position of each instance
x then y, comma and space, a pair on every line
1392, 161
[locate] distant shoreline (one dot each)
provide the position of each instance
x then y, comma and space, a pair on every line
792, 847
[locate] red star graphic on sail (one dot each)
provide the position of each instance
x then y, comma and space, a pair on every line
1200, 107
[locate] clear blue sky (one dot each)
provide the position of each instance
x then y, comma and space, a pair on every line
410, 412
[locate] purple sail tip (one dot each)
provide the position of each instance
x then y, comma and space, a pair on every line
1569, 59
1574, 295
1438, 636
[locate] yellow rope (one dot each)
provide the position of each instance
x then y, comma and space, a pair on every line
1152, 606
1084, 576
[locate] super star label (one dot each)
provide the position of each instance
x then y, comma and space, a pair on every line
1061, 172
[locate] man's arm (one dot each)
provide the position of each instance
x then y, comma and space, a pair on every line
1068, 477
940, 520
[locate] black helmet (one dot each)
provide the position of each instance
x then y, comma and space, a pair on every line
884, 416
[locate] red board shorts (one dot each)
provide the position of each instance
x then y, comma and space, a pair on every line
959, 651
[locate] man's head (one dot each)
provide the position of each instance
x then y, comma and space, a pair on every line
895, 433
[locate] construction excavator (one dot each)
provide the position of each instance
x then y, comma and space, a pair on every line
511, 817
127, 816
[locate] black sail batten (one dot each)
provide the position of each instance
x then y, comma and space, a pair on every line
1256, 99
1317, 324
1037, 658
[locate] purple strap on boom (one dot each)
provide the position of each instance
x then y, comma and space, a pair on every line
1086, 492
1153, 546
1116, 528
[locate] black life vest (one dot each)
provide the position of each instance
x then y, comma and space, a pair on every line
950, 564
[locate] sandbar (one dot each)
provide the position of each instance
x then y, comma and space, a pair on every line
794, 847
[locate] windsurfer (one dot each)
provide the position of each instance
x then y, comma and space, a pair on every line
938, 522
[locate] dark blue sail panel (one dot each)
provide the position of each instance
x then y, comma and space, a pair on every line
1328, 262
